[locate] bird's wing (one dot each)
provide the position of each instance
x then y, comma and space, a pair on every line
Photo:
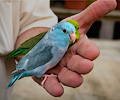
27, 46
33, 41
31, 60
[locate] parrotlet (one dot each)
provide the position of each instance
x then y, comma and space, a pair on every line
46, 53
29, 44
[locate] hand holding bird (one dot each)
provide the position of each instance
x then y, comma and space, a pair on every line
81, 52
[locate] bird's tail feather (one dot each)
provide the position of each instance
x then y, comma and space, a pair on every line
14, 79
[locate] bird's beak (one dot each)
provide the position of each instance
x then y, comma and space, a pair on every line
72, 37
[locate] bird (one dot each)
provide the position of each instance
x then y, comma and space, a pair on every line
46, 54
26, 46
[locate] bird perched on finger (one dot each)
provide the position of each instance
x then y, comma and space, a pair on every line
46, 53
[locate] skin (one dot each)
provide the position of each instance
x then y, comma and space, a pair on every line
78, 59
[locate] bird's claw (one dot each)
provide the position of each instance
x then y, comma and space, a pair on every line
45, 78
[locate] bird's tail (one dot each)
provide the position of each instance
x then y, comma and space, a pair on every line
14, 79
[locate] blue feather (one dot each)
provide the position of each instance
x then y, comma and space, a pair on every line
14, 79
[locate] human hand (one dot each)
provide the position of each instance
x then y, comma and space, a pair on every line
78, 59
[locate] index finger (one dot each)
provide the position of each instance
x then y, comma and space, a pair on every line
97, 10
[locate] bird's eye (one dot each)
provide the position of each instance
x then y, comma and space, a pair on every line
65, 31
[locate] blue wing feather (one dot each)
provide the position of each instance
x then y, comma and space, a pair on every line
43, 54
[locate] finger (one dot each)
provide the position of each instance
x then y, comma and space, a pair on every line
52, 86
86, 48
97, 10
79, 64
70, 78
100, 8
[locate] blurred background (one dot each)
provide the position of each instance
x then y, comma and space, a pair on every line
100, 84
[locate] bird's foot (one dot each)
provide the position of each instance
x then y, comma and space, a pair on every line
45, 78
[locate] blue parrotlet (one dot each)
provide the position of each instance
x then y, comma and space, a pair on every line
46, 53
